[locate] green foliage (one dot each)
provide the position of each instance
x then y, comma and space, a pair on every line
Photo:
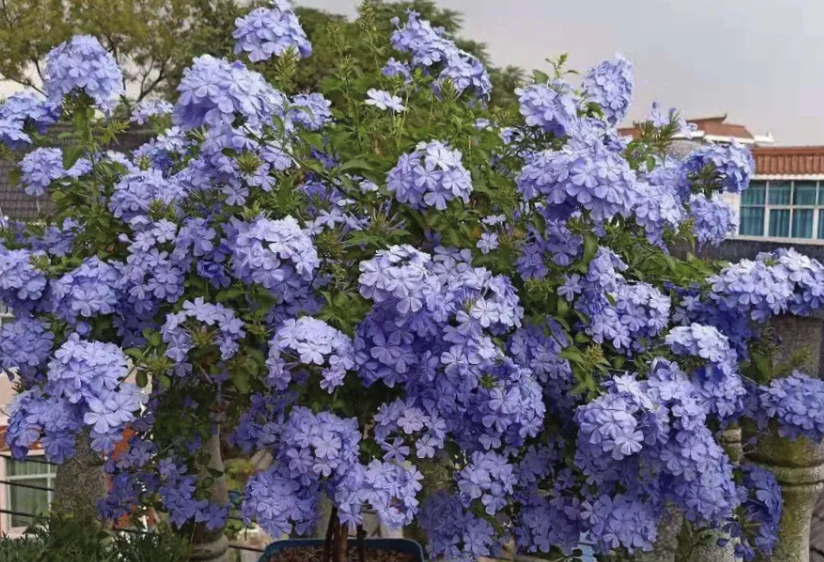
56, 538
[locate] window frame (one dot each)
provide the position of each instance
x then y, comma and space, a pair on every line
48, 476
817, 208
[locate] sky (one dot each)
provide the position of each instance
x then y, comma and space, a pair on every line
759, 61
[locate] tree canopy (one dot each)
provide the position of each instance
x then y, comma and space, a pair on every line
154, 40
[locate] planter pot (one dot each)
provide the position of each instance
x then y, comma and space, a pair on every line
404, 546
798, 466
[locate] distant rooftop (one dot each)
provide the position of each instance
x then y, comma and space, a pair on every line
789, 161
715, 129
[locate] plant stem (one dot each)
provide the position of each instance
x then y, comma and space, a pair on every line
331, 527
343, 539
361, 546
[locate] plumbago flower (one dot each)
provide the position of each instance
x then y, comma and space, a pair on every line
268, 32
309, 342
384, 313
432, 176
83, 65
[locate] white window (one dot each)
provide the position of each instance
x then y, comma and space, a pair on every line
23, 499
783, 209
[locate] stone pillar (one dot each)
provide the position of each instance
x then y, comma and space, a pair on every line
80, 482
798, 466
799, 337
212, 546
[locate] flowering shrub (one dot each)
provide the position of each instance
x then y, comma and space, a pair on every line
388, 280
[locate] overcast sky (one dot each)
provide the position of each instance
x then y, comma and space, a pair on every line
759, 61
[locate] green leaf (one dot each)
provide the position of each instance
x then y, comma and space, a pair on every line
590, 247
142, 379
71, 155
355, 164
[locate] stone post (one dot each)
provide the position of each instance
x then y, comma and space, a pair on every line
798, 466
212, 546
80, 482
798, 337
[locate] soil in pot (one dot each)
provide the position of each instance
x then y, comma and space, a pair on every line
315, 554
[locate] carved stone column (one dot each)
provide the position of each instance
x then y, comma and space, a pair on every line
798, 466
80, 482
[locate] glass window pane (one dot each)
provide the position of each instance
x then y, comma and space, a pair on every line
26, 500
23, 468
780, 223
820, 225
752, 221
779, 192
802, 223
804, 193
755, 194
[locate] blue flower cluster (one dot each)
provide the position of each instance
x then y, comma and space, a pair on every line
400, 422
86, 387
179, 331
148, 108
585, 174
268, 32
610, 85
135, 193
21, 113
25, 347
215, 92
718, 385
762, 513
550, 106
432, 50
432, 176
455, 533
320, 452
310, 111
713, 219
88, 291
22, 284
731, 166
39, 168
539, 349
658, 425
299, 344
276, 254
82, 64
796, 403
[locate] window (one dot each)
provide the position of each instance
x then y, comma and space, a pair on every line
783, 209
28, 500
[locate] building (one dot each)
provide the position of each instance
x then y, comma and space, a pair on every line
784, 204
716, 130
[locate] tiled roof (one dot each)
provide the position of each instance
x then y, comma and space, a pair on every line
789, 160
711, 126
717, 126
16, 205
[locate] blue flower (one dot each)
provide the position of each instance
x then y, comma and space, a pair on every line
610, 85
432, 176
306, 342
268, 32
384, 100
82, 64
550, 106
148, 108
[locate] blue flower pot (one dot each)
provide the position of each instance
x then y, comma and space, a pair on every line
404, 546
